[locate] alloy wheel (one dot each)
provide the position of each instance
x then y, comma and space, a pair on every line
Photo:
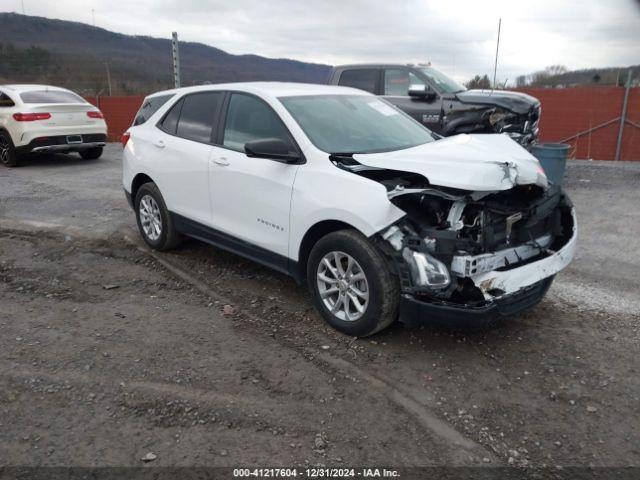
150, 218
343, 286
4, 150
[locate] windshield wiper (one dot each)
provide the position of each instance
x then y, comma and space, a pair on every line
344, 154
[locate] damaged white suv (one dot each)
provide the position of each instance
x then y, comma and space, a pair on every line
335, 186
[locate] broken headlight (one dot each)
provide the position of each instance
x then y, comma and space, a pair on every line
426, 271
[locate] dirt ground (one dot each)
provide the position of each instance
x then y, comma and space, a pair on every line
109, 352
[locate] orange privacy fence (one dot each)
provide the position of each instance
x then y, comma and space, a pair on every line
588, 118
118, 112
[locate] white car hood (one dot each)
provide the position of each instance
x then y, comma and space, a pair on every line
478, 162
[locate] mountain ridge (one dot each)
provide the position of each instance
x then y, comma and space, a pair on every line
75, 55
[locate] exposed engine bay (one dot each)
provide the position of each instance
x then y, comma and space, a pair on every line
452, 241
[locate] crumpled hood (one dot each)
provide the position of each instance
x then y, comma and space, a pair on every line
477, 162
517, 102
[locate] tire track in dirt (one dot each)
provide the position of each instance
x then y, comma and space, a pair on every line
414, 407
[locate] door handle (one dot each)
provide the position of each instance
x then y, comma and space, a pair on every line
221, 161
159, 144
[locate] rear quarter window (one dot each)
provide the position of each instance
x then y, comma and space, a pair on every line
149, 107
5, 101
50, 96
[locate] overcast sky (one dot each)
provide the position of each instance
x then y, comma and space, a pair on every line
457, 36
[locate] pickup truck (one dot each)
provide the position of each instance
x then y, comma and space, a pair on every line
442, 104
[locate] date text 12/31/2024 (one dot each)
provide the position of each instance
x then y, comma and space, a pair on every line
314, 473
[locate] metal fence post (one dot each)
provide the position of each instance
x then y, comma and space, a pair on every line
623, 116
176, 60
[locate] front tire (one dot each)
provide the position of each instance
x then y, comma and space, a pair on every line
154, 220
91, 153
351, 284
8, 154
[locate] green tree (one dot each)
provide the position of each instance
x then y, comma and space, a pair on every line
479, 82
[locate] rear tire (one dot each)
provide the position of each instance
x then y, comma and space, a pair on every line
91, 153
344, 264
8, 154
154, 220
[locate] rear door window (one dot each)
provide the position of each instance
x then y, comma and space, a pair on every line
149, 107
198, 116
363, 79
50, 96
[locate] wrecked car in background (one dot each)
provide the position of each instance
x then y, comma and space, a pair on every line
442, 104
341, 189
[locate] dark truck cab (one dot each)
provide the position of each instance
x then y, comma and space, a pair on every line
442, 104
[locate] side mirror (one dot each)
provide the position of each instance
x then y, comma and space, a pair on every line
422, 92
271, 148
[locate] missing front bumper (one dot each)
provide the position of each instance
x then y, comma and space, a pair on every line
512, 280
506, 292
416, 311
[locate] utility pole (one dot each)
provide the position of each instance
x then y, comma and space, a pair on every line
93, 16
106, 64
23, 8
495, 66
623, 117
176, 59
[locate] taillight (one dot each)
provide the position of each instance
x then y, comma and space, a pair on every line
125, 138
30, 117
95, 114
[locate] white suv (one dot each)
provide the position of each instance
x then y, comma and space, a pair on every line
335, 186
42, 118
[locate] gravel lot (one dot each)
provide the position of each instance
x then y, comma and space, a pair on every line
109, 352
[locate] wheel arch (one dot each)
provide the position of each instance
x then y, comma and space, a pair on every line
6, 130
311, 237
15, 138
139, 180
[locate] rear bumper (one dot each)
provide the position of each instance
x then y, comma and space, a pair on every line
29, 133
60, 143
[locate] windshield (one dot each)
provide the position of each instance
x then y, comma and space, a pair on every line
50, 96
355, 123
442, 83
